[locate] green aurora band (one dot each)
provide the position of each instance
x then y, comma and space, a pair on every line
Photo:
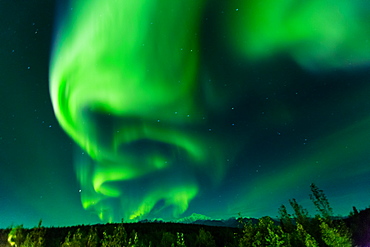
125, 78
114, 58
317, 34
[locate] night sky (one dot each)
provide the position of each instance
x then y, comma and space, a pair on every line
164, 109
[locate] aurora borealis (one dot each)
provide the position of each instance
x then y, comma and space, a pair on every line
160, 109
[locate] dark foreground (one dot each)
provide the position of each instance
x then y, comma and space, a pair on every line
292, 230
352, 231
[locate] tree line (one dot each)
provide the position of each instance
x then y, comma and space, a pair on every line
291, 230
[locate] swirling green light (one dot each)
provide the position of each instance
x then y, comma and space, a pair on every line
121, 73
125, 85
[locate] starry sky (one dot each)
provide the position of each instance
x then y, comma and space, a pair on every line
162, 109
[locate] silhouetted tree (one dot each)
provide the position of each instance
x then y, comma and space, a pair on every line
168, 239
300, 213
204, 239
286, 220
321, 202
